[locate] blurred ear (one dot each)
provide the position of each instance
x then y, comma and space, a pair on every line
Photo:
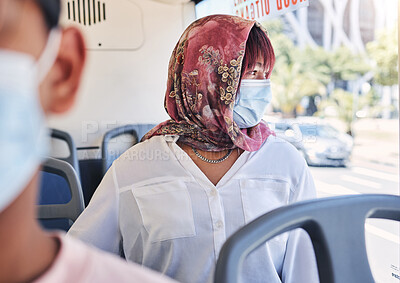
59, 89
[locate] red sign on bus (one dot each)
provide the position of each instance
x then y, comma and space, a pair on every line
264, 9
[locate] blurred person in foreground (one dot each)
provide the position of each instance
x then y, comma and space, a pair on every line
40, 70
172, 200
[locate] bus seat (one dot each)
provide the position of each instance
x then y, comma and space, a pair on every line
108, 156
60, 198
142, 129
72, 158
91, 176
93, 169
340, 249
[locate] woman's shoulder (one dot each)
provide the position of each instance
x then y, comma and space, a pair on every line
280, 147
148, 150
145, 161
280, 157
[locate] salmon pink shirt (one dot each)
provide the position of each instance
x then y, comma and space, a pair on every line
77, 262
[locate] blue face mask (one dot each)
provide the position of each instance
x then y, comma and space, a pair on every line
252, 101
23, 134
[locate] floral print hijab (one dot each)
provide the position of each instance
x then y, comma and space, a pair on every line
203, 78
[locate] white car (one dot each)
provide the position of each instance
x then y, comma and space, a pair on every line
319, 143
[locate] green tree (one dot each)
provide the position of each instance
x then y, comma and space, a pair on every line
309, 71
370, 104
383, 53
341, 102
290, 84
292, 79
317, 61
347, 66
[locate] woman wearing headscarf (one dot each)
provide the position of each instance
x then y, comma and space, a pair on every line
171, 201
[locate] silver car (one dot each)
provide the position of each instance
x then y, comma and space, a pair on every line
319, 143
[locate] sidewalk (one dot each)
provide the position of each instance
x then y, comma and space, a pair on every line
377, 141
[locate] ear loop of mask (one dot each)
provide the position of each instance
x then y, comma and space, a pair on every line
49, 54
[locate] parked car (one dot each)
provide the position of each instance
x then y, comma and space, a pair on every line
319, 143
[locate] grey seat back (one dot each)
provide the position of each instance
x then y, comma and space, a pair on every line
72, 158
107, 158
335, 226
75, 205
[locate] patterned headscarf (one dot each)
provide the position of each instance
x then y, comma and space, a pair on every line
203, 78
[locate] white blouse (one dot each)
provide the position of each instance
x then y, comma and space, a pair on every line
159, 208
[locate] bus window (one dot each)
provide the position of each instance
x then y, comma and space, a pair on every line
329, 82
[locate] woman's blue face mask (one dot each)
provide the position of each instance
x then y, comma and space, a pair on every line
252, 100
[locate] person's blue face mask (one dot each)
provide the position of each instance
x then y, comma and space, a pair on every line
252, 101
23, 134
